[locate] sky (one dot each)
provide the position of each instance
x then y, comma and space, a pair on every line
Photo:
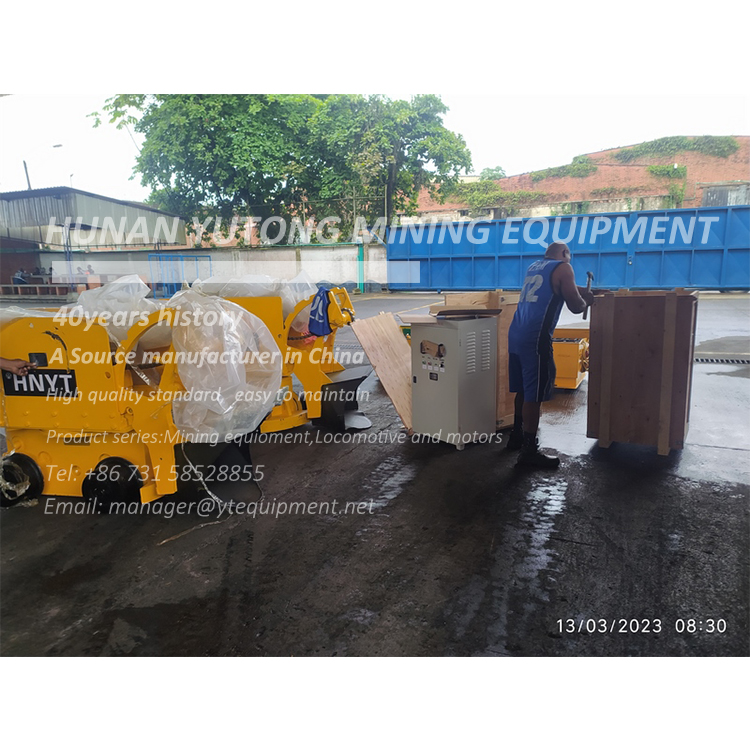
56, 137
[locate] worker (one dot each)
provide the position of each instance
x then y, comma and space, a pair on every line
16, 366
548, 283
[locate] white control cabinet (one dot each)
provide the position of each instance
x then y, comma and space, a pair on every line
454, 364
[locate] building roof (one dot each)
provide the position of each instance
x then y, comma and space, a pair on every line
62, 190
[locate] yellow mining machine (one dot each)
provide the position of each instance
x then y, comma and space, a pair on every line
123, 443
570, 344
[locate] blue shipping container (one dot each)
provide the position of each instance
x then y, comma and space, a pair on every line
705, 248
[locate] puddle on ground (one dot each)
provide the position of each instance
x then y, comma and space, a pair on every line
361, 616
547, 501
729, 371
674, 541
522, 556
387, 481
726, 346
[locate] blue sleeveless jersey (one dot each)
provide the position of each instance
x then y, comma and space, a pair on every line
538, 309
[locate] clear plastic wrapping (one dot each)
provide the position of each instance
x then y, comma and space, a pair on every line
292, 291
124, 301
229, 364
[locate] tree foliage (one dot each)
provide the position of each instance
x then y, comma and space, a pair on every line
581, 166
225, 153
487, 194
492, 173
373, 145
720, 146
672, 171
271, 155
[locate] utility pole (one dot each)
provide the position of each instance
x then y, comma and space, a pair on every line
26, 169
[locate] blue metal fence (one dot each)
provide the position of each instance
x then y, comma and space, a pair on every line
168, 272
707, 248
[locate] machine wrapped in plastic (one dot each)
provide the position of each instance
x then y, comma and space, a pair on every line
291, 292
116, 402
121, 303
113, 415
228, 363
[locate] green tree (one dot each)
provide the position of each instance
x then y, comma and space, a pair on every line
492, 173
224, 153
267, 155
375, 146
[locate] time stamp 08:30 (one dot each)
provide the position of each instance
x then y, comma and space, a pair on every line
641, 625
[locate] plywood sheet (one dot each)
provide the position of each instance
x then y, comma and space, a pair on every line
390, 354
472, 299
410, 320
505, 399
490, 299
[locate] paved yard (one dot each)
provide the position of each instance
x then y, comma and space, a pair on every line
440, 552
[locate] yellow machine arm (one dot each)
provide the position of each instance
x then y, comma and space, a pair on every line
327, 386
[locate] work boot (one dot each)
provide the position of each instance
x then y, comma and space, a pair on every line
531, 457
515, 441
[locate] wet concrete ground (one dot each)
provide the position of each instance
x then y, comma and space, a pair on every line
620, 552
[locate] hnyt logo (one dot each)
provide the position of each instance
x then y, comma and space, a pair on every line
41, 383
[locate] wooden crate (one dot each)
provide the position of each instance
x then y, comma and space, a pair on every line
506, 302
641, 366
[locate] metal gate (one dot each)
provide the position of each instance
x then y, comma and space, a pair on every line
707, 248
